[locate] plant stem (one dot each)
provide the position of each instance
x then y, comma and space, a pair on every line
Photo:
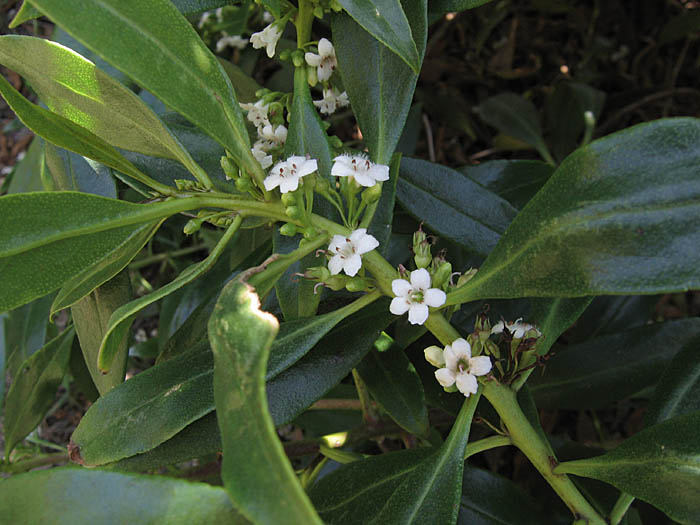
303, 22
526, 438
620, 509
152, 259
35, 462
487, 444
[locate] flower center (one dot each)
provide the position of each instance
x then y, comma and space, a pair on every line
417, 296
463, 365
347, 250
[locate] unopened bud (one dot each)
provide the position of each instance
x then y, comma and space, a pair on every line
356, 284
466, 277
441, 277
435, 356
310, 232
192, 226
318, 11
285, 54
230, 169
322, 186
421, 249
289, 198
298, 58
335, 142
336, 282
243, 184
293, 212
288, 230
275, 113
372, 194
320, 273
311, 76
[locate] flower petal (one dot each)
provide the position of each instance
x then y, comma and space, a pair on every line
479, 366
379, 172
288, 184
335, 265
420, 279
461, 348
313, 59
450, 357
467, 383
364, 180
498, 328
366, 244
401, 287
356, 235
352, 265
271, 181
337, 242
417, 313
309, 166
445, 377
399, 306
434, 356
434, 297
325, 48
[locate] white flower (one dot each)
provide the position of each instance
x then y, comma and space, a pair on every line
219, 14
331, 101
415, 297
267, 38
325, 61
233, 41
461, 368
517, 328
204, 19
360, 168
271, 137
286, 174
347, 251
267, 17
257, 113
261, 155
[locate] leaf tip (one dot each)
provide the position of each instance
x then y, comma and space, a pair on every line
74, 453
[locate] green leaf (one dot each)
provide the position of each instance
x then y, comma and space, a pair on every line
91, 315
244, 85
382, 212
168, 58
26, 176
452, 205
26, 13
66, 134
516, 181
76, 495
554, 316
613, 313
617, 217
256, 472
678, 390
380, 106
489, 499
190, 7
120, 320
386, 21
72, 230
104, 269
516, 117
599, 371
295, 296
660, 465
414, 486
71, 172
73, 87
395, 385
33, 389
438, 8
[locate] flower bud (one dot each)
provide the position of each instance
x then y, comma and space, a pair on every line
320, 273
311, 76
289, 198
335, 142
310, 232
260, 93
356, 284
336, 282
298, 58
293, 212
192, 226
421, 249
318, 11
288, 230
322, 186
434, 356
441, 276
230, 169
372, 194
243, 184
276, 114
466, 277
285, 54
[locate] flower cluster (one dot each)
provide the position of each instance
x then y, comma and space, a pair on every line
457, 367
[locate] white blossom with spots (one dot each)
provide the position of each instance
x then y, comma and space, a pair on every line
359, 167
267, 38
331, 101
324, 61
347, 251
286, 174
415, 296
460, 368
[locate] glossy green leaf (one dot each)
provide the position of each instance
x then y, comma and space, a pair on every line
168, 58
382, 212
26, 176
438, 8
76, 495
599, 371
613, 313
488, 498
189, 7
380, 106
120, 320
678, 390
33, 389
147, 410
617, 217
386, 21
73, 87
72, 230
395, 385
71, 172
333, 358
295, 296
516, 181
26, 13
256, 472
516, 117
554, 316
244, 85
452, 205
90, 316
68, 135
660, 465
414, 486
104, 269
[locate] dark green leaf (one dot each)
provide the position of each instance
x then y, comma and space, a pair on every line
296, 296
256, 472
660, 465
554, 316
91, 315
395, 385
273, 6
438, 8
244, 85
414, 486
26, 176
617, 217
382, 212
386, 21
168, 58
189, 7
71, 172
33, 389
452, 205
76, 89
516, 181
381, 106
516, 117
489, 499
147, 410
25, 14
609, 314
599, 371
76, 495
680, 26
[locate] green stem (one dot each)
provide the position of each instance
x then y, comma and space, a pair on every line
620, 509
487, 444
35, 462
152, 259
526, 438
303, 22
